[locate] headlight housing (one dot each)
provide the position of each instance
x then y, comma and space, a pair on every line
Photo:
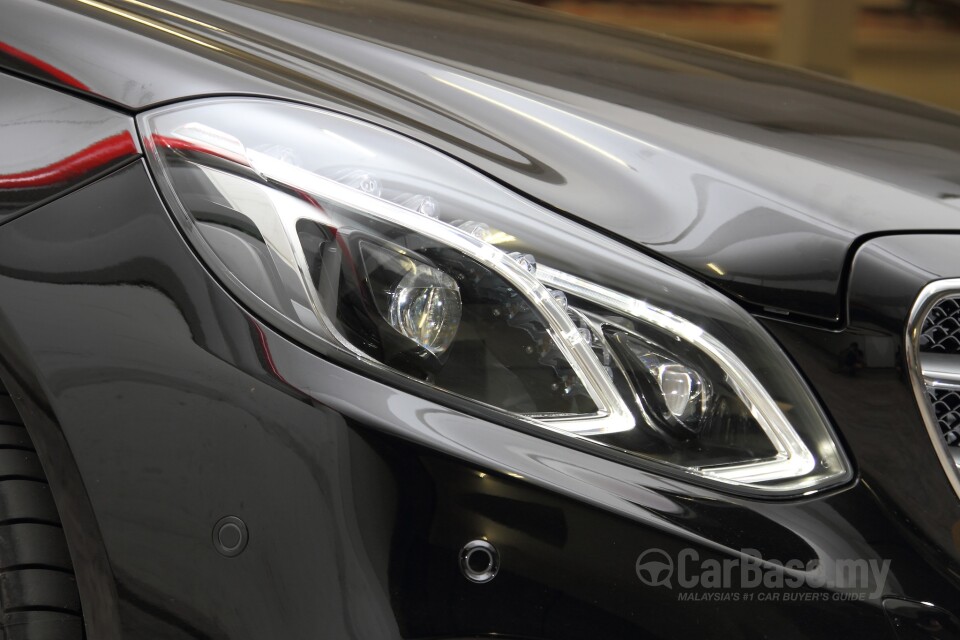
376, 250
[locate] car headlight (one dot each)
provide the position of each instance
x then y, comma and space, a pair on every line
372, 248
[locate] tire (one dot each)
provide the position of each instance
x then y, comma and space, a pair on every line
39, 599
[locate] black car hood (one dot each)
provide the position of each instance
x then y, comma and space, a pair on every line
760, 179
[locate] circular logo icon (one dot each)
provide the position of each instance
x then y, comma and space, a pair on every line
655, 568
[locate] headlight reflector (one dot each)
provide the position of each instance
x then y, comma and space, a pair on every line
424, 305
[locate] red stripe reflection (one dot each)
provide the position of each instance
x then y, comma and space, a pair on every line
46, 67
79, 164
179, 144
267, 355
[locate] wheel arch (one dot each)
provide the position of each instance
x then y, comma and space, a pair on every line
95, 580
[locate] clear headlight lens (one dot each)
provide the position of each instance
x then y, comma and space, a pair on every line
366, 245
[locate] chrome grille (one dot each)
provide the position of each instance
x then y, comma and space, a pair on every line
946, 407
941, 328
933, 356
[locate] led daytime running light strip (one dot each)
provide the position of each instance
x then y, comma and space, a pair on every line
613, 414
793, 457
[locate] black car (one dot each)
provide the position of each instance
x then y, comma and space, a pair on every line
446, 320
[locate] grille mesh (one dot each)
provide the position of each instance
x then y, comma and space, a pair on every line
946, 406
941, 328
936, 379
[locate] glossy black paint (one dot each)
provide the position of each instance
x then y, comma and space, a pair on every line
757, 178
162, 406
180, 408
920, 620
875, 408
888, 274
53, 143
